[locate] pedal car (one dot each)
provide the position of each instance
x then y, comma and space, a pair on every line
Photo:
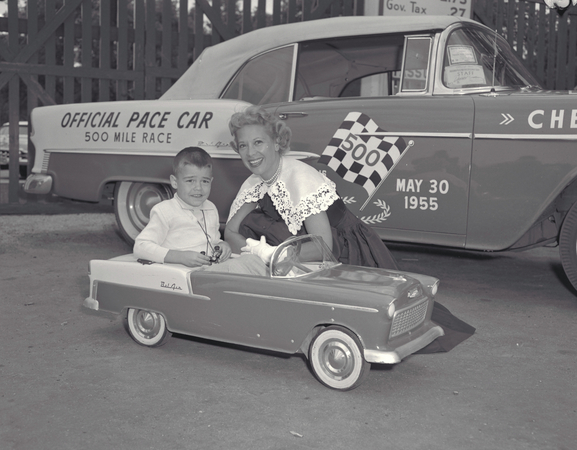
341, 317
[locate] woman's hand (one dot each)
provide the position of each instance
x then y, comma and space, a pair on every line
259, 248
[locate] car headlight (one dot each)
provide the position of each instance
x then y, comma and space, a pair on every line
391, 310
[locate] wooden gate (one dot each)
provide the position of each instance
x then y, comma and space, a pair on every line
545, 39
56, 51
68, 51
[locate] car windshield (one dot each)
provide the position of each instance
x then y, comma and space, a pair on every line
301, 255
477, 58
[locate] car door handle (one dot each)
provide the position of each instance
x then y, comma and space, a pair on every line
286, 115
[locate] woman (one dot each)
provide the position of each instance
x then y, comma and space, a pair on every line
286, 197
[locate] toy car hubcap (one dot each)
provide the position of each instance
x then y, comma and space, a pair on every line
147, 324
337, 359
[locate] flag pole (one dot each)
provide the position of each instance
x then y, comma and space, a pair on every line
409, 144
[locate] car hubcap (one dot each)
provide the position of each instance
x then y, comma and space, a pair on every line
147, 324
134, 202
141, 199
337, 359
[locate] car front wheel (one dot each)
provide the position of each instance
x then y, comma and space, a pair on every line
146, 327
568, 245
336, 358
132, 204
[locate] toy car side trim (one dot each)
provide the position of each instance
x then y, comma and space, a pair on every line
310, 302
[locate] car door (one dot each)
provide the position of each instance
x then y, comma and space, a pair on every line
263, 312
423, 196
400, 157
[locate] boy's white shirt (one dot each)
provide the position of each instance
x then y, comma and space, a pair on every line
175, 225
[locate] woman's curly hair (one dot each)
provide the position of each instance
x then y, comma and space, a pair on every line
257, 115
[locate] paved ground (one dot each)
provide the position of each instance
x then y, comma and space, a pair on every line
72, 380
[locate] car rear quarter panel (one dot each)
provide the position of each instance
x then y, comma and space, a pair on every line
85, 146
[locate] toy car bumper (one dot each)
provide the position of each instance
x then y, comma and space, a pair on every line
90, 303
38, 183
395, 356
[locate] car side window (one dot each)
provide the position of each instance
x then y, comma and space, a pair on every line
263, 79
416, 69
360, 66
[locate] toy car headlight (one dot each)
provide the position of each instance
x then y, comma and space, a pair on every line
391, 310
434, 288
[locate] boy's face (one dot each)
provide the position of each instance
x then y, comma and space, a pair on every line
192, 183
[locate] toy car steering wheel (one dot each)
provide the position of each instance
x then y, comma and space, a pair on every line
283, 268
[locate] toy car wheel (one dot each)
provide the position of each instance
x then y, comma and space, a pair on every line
146, 327
568, 245
336, 358
132, 205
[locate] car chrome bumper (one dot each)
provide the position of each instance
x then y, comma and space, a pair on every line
90, 303
394, 357
38, 183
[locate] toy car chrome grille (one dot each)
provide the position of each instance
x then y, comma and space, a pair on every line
408, 318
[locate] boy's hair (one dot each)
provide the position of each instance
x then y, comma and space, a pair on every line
191, 155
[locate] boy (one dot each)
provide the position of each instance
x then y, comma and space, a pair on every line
184, 229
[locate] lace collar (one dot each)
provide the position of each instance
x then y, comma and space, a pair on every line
299, 192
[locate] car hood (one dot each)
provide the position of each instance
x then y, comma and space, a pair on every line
362, 279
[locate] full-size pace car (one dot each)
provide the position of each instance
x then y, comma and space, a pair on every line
341, 317
431, 127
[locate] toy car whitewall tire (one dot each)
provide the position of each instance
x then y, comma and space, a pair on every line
146, 327
336, 358
568, 245
132, 204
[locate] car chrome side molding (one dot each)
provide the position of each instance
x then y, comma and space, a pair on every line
528, 137
298, 300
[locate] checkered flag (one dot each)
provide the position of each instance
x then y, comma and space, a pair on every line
360, 152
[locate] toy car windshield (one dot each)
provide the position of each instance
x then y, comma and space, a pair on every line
301, 255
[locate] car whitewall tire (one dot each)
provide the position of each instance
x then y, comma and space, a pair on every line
568, 245
336, 358
146, 327
132, 204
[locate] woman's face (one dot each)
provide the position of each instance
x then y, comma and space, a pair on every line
258, 151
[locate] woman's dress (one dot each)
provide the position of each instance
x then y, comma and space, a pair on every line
353, 241
300, 192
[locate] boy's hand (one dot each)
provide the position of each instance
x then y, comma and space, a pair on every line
187, 258
226, 251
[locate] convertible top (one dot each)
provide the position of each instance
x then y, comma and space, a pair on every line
210, 73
